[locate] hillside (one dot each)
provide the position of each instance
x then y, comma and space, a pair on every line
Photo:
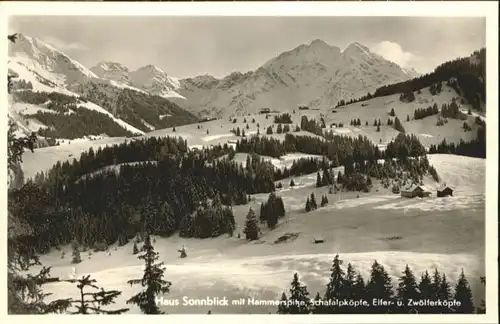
466, 75
316, 75
220, 131
58, 95
264, 269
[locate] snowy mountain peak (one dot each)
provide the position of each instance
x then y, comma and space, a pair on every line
319, 43
151, 69
355, 49
51, 66
149, 78
111, 66
112, 71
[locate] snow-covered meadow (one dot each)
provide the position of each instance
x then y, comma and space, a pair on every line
376, 226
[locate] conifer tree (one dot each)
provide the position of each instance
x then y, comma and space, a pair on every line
359, 288
323, 204
444, 293
92, 302
292, 183
283, 306
152, 280
426, 292
407, 291
135, 250
76, 253
398, 126
317, 307
336, 287
436, 284
308, 205
314, 205
251, 229
482, 308
350, 292
463, 294
319, 182
379, 287
299, 296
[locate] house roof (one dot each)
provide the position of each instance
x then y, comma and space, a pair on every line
443, 188
414, 187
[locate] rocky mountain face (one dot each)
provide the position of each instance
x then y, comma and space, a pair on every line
316, 75
149, 78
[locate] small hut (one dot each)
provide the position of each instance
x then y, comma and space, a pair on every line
318, 240
444, 191
415, 191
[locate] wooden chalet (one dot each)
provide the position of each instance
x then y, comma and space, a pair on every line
444, 191
415, 191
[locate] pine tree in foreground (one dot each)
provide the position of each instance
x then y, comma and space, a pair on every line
92, 302
482, 307
425, 288
283, 307
335, 289
317, 306
152, 281
407, 291
444, 293
463, 294
379, 287
299, 297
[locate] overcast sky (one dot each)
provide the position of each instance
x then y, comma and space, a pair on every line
190, 46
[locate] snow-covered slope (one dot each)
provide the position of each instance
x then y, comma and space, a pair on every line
450, 239
149, 78
50, 63
39, 67
316, 75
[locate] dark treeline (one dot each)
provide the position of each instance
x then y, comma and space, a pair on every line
168, 195
405, 157
302, 166
421, 113
41, 97
22, 85
473, 148
272, 210
283, 119
407, 96
312, 126
452, 111
78, 124
338, 149
466, 75
348, 285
